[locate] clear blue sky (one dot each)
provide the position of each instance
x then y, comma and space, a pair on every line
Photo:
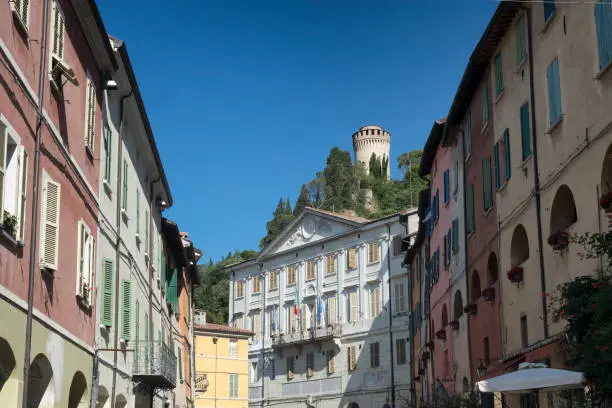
247, 97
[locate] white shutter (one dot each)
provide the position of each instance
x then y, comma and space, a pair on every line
256, 325
80, 251
353, 307
92, 266
90, 121
51, 211
22, 190
331, 310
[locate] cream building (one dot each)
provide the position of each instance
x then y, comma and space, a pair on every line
328, 303
372, 140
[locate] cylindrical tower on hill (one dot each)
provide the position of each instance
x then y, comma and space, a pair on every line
370, 140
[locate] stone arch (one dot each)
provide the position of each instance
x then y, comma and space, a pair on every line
444, 316
492, 269
476, 288
9, 381
519, 246
606, 172
120, 401
103, 400
77, 396
41, 392
563, 211
458, 305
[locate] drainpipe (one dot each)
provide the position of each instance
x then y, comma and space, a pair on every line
150, 270
391, 353
536, 173
410, 279
35, 190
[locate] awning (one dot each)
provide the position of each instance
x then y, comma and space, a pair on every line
530, 377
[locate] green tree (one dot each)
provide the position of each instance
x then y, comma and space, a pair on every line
281, 218
340, 181
316, 189
375, 166
303, 201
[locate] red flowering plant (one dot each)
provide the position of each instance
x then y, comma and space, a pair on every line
515, 274
585, 305
559, 240
605, 201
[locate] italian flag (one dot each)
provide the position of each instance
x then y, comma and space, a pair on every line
296, 308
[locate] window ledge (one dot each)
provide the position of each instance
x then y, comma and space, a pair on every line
9, 241
548, 23
83, 303
446, 203
602, 71
107, 187
138, 239
290, 285
555, 125
239, 297
498, 97
373, 263
502, 187
488, 211
89, 152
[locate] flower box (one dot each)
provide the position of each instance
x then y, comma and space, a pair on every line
489, 294
515, 275
605, 201
470, 309
454, 325
441, 334
558, 240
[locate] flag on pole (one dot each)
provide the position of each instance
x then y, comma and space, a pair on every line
274, 318
320, 311
296, 307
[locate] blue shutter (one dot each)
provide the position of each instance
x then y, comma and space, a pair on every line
446, 186
507, 163
603, 21
499, 75
521, 53
525, 132
456, 235
449, 245
549, 9
554, 92
446, 254
496, 165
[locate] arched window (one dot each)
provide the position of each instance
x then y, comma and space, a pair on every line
476, 289
444, 316
40, 384
457, 306
519, 246
77, 397
563, 210
606, 172
9, 377
492, 269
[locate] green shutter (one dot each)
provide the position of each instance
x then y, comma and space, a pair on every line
180, 363
525, 132
146, 341
603, 23
487, 194
467, 140
163, 267
126, 311
485, 103
147, 221
172, 287
469, 202
496, 165
108, 291
107, 153
507, 163
456, 235
137, 337
124, 197
499, 75
521, 52
554, 92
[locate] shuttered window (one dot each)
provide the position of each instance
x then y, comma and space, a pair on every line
521, 50
353, 306
446, 186
400, 297
374, 355
373, 254
455, 235
485, 103
137, 337
256, 325
233, 386
22, 9
469, 203
85, 262
554, 92
331, 310
311, 270
124, 197
304, 315
467, 137
507, 161
499, 75
330, 261
273, 280
448, 246
23, 188
375, 301
57, 42
146, 220
400, 345
51, 213
256, 285
603, 22
331, 364
239, 289
351, 258
352, 358
437, 270
549, 9
525, 132
496, 166
398, 245
146, 341
446, 253
107, 152
291, 274
126, 309
487, 192
455, 177
90, 115
172, 293
108, 291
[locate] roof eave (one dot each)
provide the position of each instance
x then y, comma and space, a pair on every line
431, 146
174, 241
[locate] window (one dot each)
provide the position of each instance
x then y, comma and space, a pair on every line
437, 206
496, 166
487, 188
239, 321
330, 317
375, 301
256, 288
233, 386
455, 235
524, 334
499, 75
487, 352
398, 247
554, 92
330, 262
137, 212
373, 255
22, 9
291, 314
108, 291
107, 152
507, 163
85, 263
331, 364
374, 355
446, 186
124, 197
126, 309
485, 103
291, 275
290, 367
400, 345
233, 348
273, 280
448, 248
239, 289
400, 297
351, 352
352, 306
90, 115
311, 270
437, 270
272, 369
309, 364
446, 253
254, 372
50, 219
525, 132
603, 21
549, 9
351, 259
256, 325
521, 50
455, 177
58, 28
467, 139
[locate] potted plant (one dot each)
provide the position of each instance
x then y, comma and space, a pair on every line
558, 240
488, 294
9, 224
454, 325
605, 201
515, 275
470, 309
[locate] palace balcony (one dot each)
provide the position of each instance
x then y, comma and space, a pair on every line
310, 335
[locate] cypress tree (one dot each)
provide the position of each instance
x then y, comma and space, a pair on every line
303, 201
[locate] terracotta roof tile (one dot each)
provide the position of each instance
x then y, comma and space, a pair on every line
220, 328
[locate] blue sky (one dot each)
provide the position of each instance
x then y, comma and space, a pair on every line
247, 97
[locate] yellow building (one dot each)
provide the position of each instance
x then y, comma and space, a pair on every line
221, 366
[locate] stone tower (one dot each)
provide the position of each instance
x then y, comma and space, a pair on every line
372, 139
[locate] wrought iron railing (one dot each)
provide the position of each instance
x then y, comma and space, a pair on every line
154, 362
311, 334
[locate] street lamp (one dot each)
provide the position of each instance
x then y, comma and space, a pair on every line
481, 370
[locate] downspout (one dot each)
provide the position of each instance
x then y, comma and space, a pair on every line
119, 240
536, 175
35, 190
410, 279
150, 270
391, 354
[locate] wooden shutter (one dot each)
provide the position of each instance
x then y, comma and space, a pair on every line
507, 162
520, 40
496, 166
446, 186
603, 22
310, 270
331, 310
304, 317
352, 258
375, 302
525, 131
331, 365
331, 264
126, 310
50, 234
455, 235
147, 222
554, 92
257, 325
172, 295
448, 246
373, 253
352, 358
107, 152
56, 17
108, 290
23, 188
499, 75
353, 306
91, 283
90, 115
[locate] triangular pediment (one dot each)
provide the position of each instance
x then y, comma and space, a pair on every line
311, 226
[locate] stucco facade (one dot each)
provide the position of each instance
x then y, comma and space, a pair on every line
372, 140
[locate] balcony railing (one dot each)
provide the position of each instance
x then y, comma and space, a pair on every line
309, 335
154, 364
